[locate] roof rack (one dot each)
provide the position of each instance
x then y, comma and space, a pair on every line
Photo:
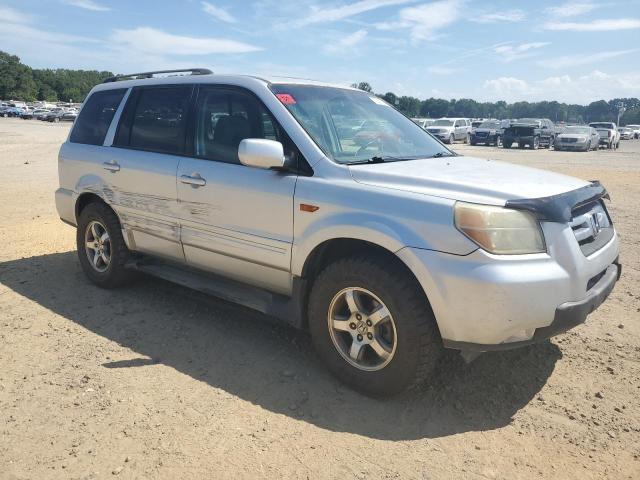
136, 76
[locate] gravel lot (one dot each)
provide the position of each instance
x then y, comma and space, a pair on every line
156, 381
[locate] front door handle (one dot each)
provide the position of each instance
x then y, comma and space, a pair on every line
111, 166
195, 180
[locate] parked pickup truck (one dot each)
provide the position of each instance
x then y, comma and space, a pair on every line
609, 134
532, 132
385, 245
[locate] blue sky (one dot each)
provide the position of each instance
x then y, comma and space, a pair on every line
574, 51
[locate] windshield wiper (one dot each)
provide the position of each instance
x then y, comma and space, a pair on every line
443, 154
376, 159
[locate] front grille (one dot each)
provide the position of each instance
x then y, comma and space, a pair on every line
481, 134
569, 140
591, 226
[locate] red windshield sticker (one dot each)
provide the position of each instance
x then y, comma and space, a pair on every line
286, 98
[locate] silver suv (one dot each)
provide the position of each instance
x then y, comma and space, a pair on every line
326, 207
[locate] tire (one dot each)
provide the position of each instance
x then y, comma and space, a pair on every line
110, 274
452, 139
551, 142
535, 144
417, 345
507, 144
472, 142
609, 145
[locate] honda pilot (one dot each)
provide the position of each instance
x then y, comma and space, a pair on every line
326, 207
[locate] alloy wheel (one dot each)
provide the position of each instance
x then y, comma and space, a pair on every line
362, 329
98, 246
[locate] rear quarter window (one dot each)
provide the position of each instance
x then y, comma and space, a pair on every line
97, 113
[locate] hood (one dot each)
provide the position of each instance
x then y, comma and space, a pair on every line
466, 178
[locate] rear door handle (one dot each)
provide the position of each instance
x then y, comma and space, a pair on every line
195, 180
111, 166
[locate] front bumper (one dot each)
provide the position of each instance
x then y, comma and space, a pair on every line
486, 302
567, 316
484, 138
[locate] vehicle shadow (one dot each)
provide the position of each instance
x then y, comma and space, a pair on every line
245, 354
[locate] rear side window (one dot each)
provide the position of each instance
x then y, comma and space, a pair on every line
157, 120
93, 122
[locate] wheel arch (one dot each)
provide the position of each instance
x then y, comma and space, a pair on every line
335, 249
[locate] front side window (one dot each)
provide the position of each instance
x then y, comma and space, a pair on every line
354, 127
93, 122
225, 118
159, 119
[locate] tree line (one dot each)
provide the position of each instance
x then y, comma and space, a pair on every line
600, 110
21, 82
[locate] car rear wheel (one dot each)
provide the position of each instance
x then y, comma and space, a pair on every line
507, 144
372, 326
101, 248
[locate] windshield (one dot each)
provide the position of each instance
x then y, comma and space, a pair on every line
443, 123
577, 130
353, 126
601, 125
490, 125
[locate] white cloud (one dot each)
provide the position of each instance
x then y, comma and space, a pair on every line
10, 15
87, 5
346, 43
572, 9
217, 12
424, 21
156, 42
565, 88
18, 33
510, 52
508, 87
506, 16
595, 26
332, 14
584, 58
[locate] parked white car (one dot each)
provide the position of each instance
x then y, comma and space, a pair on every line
385, 245
449, 130
423, 122
636, 130
578, 137
609, 134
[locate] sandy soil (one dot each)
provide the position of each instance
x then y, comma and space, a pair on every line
156, 381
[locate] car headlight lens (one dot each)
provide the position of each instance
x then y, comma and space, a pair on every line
499, 230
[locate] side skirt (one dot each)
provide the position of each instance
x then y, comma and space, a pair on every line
288, 309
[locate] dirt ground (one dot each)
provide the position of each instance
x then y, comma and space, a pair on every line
155, 381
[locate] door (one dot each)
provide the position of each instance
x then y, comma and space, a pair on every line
460, 129
148, 145
235, 220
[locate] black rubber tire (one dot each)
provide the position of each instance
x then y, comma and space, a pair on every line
419, 345
507, 144
472, 142
116, 274
535, 144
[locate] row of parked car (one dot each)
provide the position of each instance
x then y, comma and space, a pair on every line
529, 132
26, 112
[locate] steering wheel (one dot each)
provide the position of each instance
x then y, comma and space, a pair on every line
376, 142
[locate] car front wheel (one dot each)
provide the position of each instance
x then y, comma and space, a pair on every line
373, 326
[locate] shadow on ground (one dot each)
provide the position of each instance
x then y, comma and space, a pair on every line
245, 354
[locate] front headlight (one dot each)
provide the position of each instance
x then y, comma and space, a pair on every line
499, 230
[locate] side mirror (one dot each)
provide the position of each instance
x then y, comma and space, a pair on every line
261, 153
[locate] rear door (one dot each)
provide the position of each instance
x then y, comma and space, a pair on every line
144, 161
236, 220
